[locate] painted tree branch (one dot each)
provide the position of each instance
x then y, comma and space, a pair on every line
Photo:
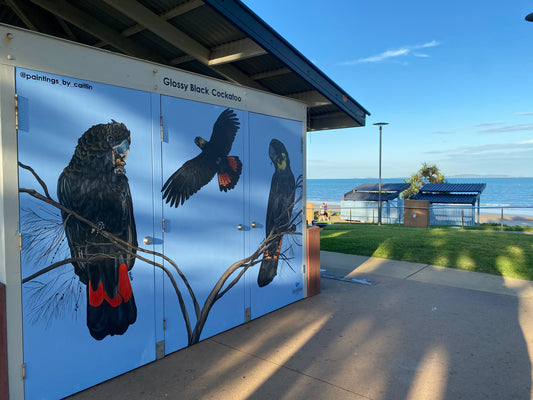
37, 177
125, 246
219, 290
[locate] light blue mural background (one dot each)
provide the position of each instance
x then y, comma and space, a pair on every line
287, 286
201, 236
202, 233
60, 355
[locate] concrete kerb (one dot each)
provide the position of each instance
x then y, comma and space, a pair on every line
359, 267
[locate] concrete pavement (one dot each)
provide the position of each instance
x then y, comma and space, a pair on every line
352, 266
417, 332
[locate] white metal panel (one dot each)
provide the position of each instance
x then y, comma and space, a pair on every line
9, 215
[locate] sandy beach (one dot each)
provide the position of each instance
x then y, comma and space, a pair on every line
485, 218
511, 220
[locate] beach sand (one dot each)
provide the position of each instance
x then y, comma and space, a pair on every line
510, 220
485, 218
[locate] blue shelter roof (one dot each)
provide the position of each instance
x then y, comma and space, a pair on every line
370, 192
454, 187
385, 187
365, 196
451, 193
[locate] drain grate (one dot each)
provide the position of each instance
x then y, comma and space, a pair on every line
327, 275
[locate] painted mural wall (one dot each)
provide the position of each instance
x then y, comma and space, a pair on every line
148, 223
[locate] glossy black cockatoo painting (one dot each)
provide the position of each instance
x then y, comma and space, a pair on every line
279, 209
213, 160
94, 185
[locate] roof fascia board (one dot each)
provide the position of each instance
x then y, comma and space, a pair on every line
266, 37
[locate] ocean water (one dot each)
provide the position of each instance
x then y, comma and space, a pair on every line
515, 195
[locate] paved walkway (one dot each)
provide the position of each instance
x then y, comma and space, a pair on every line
416, 332
352, 266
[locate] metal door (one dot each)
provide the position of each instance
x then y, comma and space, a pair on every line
55, 114
205, 235
275, 174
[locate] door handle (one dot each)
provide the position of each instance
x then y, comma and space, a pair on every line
147, 240
240, 227
254, 224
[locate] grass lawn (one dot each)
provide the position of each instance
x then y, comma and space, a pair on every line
499, 253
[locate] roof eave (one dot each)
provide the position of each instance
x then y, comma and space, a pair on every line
266, 37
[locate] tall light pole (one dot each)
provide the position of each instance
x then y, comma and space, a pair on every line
380, 124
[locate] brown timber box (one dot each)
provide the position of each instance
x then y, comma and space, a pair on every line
313, 261
416, 213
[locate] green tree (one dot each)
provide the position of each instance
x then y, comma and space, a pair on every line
426, 174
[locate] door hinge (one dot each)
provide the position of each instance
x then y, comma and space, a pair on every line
161, 127
164, 324
24, 371
163, 225
247, 314
16, 112
20, 241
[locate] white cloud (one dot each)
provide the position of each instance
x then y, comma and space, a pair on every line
391, 54
442, 132
486, 149
508, 128
523, 113
483, 124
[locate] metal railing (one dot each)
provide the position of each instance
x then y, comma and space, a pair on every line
454, 215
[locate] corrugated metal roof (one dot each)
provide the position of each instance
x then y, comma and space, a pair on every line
216, 38
454, 187
370, 191
366, 196
385, 187
447, 198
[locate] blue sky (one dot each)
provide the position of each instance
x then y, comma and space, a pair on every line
453, 79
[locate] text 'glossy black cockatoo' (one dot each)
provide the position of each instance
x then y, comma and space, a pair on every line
95, 186
279, 210
213, 159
